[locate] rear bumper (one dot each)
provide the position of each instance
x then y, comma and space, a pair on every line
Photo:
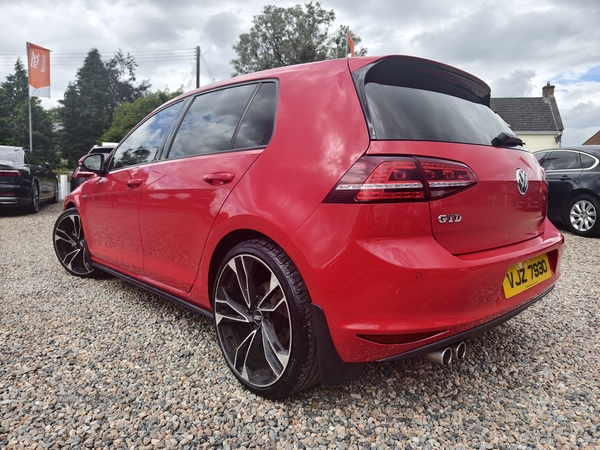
409, 291
14, 195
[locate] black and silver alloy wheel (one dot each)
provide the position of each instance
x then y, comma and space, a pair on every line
56, 195
70, 245
582, 216
262, 317
34, 206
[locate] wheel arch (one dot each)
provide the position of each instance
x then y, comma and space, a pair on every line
225, 244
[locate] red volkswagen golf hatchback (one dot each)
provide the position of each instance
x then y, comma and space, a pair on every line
323, 215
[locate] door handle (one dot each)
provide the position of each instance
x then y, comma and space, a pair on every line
565, 178
218, 179
134, 182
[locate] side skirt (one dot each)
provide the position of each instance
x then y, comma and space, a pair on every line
154, 290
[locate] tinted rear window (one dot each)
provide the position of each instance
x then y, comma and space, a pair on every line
400, 113
412, 99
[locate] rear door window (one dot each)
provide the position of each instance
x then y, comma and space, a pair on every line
256, 128
562, 160
235, 118
211, 121
31, 159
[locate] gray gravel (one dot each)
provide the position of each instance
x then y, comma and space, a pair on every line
101, 363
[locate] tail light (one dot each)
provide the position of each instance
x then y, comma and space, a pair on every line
401, 179
10, 173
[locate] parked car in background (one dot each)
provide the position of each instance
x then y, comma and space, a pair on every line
324, 215
79, 175
574, 181
25, 180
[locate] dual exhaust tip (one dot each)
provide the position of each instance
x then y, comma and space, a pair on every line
445, 356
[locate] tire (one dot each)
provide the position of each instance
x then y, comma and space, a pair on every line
263, 320
582, 216
34, 206
70, 246
56, 195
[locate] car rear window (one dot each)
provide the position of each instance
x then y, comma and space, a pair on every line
411, 99
11, 155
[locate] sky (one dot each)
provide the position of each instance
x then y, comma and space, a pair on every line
516, 46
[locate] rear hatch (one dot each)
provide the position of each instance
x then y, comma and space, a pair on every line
485, 190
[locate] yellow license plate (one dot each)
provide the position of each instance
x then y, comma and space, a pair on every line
525, 275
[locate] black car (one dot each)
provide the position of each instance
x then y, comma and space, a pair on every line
574, 180
25, 180
79, 175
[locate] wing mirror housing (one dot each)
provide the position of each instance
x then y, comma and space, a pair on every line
93, 163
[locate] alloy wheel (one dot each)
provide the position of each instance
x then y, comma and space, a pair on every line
70, 245
583, 216
34, 207
253, 322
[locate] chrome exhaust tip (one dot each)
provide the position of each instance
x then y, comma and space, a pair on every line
459, 351
443, 356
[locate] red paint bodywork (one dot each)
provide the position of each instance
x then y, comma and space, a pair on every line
388, 268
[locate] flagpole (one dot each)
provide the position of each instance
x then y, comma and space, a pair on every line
347, 31
30, 129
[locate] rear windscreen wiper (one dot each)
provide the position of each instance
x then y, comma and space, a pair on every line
506, 140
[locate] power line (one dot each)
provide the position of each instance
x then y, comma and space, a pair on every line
140, 56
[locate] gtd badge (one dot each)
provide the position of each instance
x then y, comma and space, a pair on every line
449, 218
522, 181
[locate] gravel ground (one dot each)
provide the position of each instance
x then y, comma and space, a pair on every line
101, 363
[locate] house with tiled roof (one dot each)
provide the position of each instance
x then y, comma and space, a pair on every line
594, 140
536, 120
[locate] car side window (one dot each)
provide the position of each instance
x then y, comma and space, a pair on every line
211, 121
257, 125
143, 143
541, 156
562, 161
31, 159
587, 162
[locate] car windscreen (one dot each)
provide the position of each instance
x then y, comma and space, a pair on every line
11, 156
406, 98
402, 113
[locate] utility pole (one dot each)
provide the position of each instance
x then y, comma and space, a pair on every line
197, 67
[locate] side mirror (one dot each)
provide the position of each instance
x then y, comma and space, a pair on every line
93, 163
48, 166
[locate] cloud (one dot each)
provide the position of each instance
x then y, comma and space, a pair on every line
516, 84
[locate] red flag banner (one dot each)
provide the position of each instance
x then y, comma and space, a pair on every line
38, 63
350, 44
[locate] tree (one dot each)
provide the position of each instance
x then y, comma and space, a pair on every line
127, 115
14, 117
285, 36
121, 73
86, 109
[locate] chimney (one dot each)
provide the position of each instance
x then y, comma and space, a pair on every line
548, 91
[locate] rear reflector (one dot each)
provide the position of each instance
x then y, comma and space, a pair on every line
400, 179
391, 339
